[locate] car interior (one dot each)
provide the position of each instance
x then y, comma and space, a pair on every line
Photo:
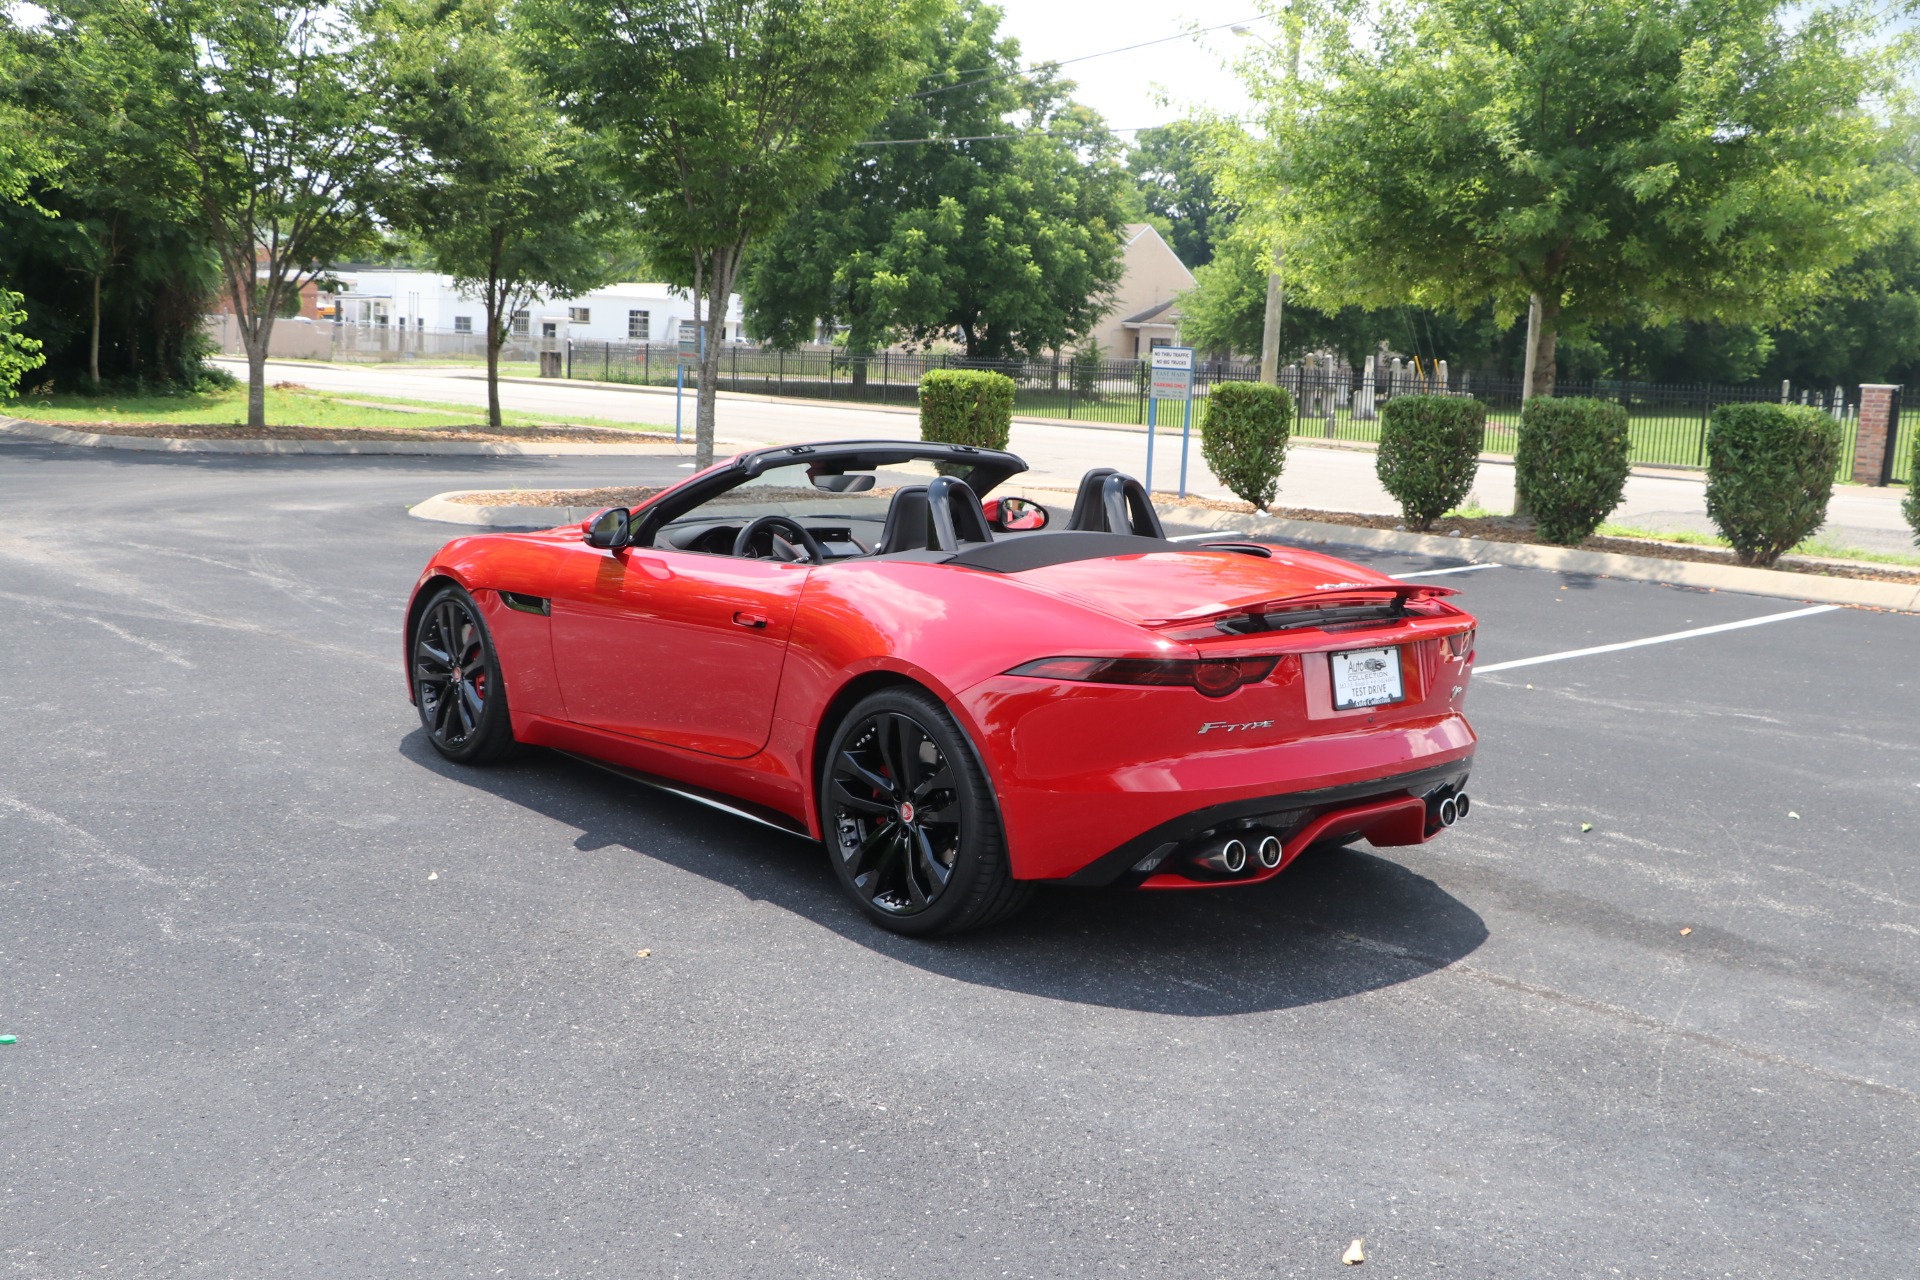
937, 519
819, 504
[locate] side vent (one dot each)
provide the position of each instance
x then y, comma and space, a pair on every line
526, 604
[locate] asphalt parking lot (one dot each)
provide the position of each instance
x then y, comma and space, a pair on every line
294, 997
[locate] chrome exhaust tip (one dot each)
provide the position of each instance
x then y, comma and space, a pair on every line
1233, 857
1460, 806
1449, 812
1269, 852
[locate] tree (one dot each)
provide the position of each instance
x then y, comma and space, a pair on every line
500, 191
1010, 239
1171, 164
1590, 159
262, 102
720, 117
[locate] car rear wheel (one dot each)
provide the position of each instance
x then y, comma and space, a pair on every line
456, 681
910, 820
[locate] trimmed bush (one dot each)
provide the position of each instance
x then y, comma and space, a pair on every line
1429, 452
1770, 470
1243, 437
966, 406
1910, 508
1571, 466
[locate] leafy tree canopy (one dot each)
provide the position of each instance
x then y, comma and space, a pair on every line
721, 117
494, 187
1699, 159
1173, 166
262, 103
1004, 231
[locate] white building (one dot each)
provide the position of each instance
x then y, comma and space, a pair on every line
401, 298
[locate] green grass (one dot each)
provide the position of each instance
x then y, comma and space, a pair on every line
297, 408
1816, 546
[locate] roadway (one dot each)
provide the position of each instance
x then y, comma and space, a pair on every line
1325, 478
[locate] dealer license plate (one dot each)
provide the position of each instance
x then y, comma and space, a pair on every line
1366, 678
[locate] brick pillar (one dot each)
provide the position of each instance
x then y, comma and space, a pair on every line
1874, 439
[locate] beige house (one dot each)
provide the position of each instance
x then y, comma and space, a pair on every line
1145, 313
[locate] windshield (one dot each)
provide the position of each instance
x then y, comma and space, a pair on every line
809, 489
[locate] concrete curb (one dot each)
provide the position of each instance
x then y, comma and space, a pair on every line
442, 507
1898, 596
56, 434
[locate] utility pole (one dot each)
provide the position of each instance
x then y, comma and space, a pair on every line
1270, 333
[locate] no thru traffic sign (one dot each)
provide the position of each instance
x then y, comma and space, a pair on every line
1172, 374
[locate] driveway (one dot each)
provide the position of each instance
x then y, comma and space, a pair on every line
296, 998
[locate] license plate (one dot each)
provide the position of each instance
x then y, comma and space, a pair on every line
1366, 678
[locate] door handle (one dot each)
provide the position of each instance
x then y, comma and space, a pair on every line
751, 620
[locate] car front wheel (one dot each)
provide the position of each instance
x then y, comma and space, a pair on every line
456, 681
910, 819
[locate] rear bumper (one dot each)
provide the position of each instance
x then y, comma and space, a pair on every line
1091, 779
1387, 811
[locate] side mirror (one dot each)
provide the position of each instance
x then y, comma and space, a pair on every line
1014, 515
609, 528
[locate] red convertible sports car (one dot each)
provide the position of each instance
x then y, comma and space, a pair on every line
854, 641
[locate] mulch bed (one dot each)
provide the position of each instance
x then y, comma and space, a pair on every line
553, 434
1509, 529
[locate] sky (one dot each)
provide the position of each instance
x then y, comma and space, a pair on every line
1126, 87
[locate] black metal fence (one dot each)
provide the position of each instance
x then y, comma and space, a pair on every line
1668, 423
1068, 388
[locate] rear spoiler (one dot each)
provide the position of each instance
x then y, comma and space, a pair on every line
1338, 605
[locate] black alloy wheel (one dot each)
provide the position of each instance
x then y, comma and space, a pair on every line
910, 819
456, 681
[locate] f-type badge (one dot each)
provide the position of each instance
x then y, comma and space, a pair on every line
1222, 726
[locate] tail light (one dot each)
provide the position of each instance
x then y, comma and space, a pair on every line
1214, 677
1461, 645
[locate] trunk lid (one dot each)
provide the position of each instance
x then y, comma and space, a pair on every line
1179, 589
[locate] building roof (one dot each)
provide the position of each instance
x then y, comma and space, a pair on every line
1158, 308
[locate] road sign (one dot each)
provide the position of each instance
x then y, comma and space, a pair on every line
689, 342
1172, 374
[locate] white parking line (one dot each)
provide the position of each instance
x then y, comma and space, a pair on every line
1434, 573
1635, 644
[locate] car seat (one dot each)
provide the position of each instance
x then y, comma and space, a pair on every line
1110, 502
956, 514
906, 524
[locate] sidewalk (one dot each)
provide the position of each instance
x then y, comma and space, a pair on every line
1319, 474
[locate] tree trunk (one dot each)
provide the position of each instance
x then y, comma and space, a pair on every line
493, 374
719, 284
256, 377
93, 338
1543, 332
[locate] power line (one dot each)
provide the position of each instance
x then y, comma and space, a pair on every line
1005, 137
1085, 57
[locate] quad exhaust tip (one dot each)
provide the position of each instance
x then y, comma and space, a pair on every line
1454, 808
1229, 856
1268, 852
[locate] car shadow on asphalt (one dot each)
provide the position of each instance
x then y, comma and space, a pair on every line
1336, 924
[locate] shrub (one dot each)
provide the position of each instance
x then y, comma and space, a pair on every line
1571, 466
1770, 470
1244, 438
1429, 451
966, 406
1910, 508
1088, 364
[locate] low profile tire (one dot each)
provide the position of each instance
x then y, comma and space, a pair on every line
456, 681
910, 822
